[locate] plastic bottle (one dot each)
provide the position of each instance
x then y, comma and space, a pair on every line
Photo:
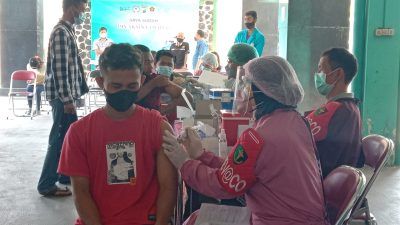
222, 145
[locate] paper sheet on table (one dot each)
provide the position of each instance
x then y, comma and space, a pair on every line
183, 112
211, 214
213, 79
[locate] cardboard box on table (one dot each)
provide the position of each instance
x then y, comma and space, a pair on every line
203, 111
203, 114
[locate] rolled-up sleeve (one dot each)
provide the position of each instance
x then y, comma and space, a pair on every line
259, 44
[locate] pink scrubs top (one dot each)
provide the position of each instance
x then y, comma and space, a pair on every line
288, 190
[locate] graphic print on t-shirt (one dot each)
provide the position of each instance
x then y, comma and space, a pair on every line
121, 163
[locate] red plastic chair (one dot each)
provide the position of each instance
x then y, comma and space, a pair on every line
342, 188
377, 151
21, 75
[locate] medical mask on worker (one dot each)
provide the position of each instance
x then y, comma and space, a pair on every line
165, 70
80, 18
121, 101
103, 35
320, 83
231, 71
180, 40
244, 103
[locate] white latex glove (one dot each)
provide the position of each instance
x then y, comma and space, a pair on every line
192, 142
174, 150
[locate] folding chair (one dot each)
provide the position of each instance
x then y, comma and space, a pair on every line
94, 91
44, 102
21, 75
377, 151
342, 187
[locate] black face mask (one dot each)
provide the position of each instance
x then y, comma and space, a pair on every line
231, 72
121, 100
180, 40
250, 25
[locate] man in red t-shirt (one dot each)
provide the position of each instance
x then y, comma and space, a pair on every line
119, 174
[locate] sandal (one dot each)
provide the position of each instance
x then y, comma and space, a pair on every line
58, 192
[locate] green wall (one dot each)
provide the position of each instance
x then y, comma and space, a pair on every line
382, 61
313, 27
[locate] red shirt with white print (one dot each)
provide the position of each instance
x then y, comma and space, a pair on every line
119, 159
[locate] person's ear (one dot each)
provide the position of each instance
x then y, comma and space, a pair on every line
341, 74
100, 82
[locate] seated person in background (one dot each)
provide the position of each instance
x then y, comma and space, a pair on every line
36, 65
157, 88
273, 164
219, 62
180, 50
208, 62
119, 173
336, 126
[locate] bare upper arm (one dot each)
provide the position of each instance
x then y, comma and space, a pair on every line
173, 90
80, 185
166, 172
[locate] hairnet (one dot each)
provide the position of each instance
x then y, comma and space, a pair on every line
276, 78
210, 59
242, 53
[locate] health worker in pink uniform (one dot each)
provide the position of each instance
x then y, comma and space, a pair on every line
274, 164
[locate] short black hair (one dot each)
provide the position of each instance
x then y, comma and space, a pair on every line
162, 53
142, 48
251, 13
35, 62
120, 57
340, 57
201, 33
102, 28
68, 3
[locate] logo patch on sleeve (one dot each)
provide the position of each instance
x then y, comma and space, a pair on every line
321, 111
240, 155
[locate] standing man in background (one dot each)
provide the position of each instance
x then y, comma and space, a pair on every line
201, 47
180, 50
65, 83
251, 35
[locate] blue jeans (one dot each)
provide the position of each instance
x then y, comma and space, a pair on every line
61, 123
39, 90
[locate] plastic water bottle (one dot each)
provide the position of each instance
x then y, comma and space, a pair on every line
222, 145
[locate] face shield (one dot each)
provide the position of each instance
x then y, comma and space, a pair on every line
243, 102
